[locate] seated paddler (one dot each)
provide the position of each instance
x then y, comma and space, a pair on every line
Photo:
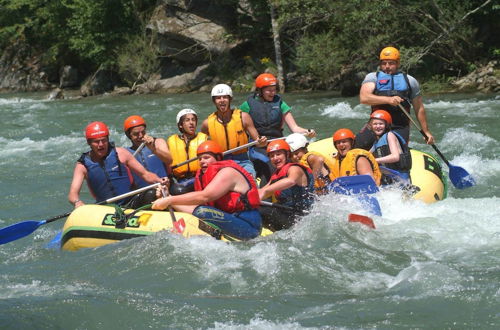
108, 170
291, 189
390, 149
348, 161
154, 155
183, 147
225, 195
321, 165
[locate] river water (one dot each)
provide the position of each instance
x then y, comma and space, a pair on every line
425, 266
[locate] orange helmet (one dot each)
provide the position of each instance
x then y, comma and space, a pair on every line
96, 130
343, 133
132, 122
265, 79
382, 114
278, 145
209, 146
389, 53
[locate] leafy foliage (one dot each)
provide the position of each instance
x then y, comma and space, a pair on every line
325, 39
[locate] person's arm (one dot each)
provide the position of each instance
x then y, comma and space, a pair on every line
79, 174
249, 127
204, 127
363, 166
418, 105
292, 125
221, 184
294, 177
160, 148
128, 160
367, 97
394, 148
316, 163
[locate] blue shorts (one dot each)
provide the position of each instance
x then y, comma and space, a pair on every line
243, 161
243, 225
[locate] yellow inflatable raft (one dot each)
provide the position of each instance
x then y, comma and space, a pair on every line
426, 176
91, 226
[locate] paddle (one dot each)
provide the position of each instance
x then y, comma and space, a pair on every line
139, 149
227, 152
361, 186
178, 226
22, 229
460, 178
352, 217
363, 219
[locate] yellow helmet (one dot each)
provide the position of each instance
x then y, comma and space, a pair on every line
389, 53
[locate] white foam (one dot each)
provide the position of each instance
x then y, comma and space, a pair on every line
344, 110
258, 323
464, 108
38, 288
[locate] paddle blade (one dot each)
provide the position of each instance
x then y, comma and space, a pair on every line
179, 226
19, 230
460, 178
356, 184
367, 221
55, 243
370, 203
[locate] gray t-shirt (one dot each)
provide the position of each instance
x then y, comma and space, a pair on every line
415, 87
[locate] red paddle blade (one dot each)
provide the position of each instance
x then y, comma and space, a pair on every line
179, 226
367, 221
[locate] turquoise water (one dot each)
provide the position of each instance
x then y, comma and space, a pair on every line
425, 266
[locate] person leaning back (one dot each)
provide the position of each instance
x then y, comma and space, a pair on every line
106, 168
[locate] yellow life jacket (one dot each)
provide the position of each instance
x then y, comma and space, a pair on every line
320, 183
182, 152
229, 135
347, 166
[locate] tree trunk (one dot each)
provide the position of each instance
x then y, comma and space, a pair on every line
277, 47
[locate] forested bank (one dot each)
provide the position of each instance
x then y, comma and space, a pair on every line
182, 46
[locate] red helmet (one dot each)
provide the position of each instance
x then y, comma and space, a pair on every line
278, 145
265, 79
343, 133
96, 130
209, 146
382, 114
132, 122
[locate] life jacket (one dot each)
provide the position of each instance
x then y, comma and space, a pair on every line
347, 165
266, 116
381, 149
320, 183
394, 85
297, 197
182, 152
232, 201
108, 178
151, 162
229, 135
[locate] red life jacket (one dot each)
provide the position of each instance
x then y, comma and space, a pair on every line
232, 201
296, 196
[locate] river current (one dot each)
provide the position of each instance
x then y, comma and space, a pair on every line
426, 266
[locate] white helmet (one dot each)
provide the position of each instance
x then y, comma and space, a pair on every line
222, 89
185, 112
296, 141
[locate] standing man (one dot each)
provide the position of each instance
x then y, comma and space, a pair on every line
230, 127
387, 89
155, 156
105, 167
